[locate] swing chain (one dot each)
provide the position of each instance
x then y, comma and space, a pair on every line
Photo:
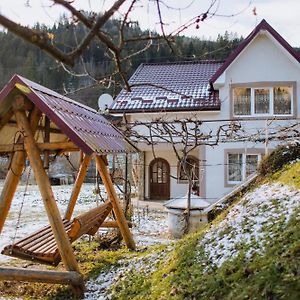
22, 204
26, 186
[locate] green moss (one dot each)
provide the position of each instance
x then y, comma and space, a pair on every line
281, 156
91, 260
289, 175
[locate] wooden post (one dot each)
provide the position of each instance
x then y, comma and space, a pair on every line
46, 140
10, 185
77, 186
14, 174
43, 182
121, 220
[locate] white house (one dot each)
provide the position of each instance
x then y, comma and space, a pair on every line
258, 85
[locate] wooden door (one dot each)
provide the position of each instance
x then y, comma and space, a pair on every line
159, 179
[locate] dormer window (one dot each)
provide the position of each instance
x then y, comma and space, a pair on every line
263, 101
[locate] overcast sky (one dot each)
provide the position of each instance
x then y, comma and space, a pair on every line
283, 15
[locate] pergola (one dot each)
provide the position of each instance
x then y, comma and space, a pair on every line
34, 123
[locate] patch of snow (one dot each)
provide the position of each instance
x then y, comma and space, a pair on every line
249, 223
99, 288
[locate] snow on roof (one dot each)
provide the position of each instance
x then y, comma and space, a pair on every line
181, 203
170, 87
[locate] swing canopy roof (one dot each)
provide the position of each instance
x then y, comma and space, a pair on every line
69, 120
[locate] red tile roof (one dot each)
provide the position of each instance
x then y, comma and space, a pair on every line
175, 86
263, 25
90, 131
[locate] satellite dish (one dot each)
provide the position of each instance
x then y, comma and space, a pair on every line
104, 102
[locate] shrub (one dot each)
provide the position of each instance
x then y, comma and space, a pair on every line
282, 155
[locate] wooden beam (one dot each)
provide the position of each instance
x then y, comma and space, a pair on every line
113, 224
14, 173
43, 182
31, 275
120, 217
12, 123
67, 146
22, 102
77, 186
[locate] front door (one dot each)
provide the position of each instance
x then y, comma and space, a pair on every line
159, 179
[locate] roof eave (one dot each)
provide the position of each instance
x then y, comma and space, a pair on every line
185, 109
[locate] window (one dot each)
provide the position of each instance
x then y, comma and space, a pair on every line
159, 172
242, 101
241, 166
282, 101
262, 101
192, 169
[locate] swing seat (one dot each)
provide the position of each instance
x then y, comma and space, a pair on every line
41, 245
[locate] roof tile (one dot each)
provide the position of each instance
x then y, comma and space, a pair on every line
155, 86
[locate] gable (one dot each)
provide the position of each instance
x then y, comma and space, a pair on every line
262, 28
262, 60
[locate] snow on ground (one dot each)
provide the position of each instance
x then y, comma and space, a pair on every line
250, 223
99, 288
149, 226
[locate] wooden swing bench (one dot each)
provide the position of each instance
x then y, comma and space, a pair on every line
41, 245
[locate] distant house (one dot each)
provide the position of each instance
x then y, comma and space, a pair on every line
258, 84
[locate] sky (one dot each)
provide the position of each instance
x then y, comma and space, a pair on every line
283, 15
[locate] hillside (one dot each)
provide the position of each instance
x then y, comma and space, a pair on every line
251, 251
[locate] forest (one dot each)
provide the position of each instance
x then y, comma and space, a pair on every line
20, 57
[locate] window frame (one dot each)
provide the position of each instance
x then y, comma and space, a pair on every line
179, 169
244, 167
257, 151
270, 86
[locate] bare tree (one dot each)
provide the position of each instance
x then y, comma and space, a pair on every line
95, 22
183, 136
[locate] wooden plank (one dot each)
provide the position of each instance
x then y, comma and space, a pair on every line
77, 186
37, 234
31, 275
67, 146
14, 173
120, 217
34, 245
43, 182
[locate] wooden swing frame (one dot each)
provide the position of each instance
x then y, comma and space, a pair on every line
27, 118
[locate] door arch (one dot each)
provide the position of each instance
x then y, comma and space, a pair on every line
159, 179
